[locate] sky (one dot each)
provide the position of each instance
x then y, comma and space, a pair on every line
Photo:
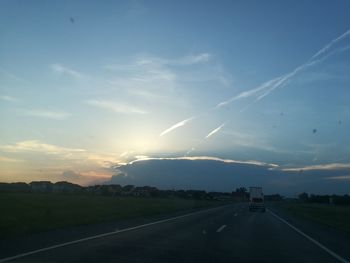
96, 91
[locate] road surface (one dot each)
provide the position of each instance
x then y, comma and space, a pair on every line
225, 234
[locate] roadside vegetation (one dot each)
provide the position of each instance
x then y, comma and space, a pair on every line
43, 205
24, 213
330, 210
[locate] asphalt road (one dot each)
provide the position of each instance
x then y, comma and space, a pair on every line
225, 234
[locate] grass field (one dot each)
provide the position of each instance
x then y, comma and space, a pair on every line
331, 215
23, 213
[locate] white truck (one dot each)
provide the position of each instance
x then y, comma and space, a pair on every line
256, 199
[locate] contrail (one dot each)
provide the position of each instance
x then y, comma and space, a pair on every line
215, 130
267, 87
330, 44
177, 125
283, 79
246, 94
206, 137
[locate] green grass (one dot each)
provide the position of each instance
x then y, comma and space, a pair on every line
23, 213
332, 215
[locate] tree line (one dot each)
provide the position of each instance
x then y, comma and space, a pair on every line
115, 190
325, 199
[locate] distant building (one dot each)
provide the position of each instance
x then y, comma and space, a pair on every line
128, 189
111, 189
41, 186
14, 187
115, 189
145, 191
66, 187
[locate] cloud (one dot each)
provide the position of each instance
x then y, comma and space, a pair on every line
266, 88
37, 146
197, 158
10, 75
177, 125
319, 167
341, 177
8, 98
126, 153
159, 79
67, 71
9, 160
215, 130
181, 61
116, 107
201, 172
152, 62
215, 174
56, 115
191, 59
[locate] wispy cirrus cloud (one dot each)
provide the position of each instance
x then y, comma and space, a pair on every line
319, 167
116, 107
148, 62
61, 69
146, 75
38, 146
10, 75
8, 98
191, 59
176, 125
339, 178
55, 115
9, 160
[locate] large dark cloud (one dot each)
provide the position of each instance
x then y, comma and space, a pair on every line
216, 175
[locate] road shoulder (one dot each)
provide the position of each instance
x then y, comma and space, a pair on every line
335, 240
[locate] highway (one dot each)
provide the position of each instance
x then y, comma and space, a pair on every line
225, 234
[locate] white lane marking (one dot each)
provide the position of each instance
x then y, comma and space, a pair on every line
335, 255
220, 228
105, 235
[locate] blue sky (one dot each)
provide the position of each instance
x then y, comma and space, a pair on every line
87, 85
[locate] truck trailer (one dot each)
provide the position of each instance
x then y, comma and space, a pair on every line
256, 199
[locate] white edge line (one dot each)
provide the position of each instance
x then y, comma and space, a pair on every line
103, 235
335, 255
221, 228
